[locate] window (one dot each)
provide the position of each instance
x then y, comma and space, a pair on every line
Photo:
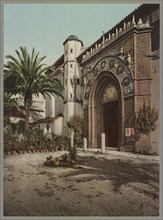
78, 81
71, 50
71, 65
47, 126
39, 126
71, 81
71, 95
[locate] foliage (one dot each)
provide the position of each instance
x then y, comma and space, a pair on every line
67, 159
50, 161
7, 121
9, 104
62, 141
36, 138
146, 119
76, 124
26, 76
72, 153
33, 139
28, 140
11, 141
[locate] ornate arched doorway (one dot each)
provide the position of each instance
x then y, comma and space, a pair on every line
105, 110
107, 101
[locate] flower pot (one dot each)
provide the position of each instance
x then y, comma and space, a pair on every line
13, 152
56, 162
56, 148
71, 162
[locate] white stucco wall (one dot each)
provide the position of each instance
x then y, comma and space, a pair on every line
50, 106
40, 104
15, 119
58, 126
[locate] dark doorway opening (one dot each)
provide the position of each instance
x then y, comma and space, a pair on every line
111, 123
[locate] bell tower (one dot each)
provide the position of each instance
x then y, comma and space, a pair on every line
72, 77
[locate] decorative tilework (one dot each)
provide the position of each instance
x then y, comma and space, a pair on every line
112, 64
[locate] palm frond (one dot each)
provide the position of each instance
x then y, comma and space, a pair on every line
25, 75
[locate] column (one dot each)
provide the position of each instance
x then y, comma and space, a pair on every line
85, 144
72, 138
102, 143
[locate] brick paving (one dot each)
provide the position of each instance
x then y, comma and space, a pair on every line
100, 185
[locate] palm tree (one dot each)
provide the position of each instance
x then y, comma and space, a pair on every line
25, 76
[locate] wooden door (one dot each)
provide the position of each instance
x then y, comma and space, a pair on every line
111, 123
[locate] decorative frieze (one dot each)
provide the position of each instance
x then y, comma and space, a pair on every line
133, 20
120, 30
109, 36
140, 22
116, 33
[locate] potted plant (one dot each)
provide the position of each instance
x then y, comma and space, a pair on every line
145, 124
56, 161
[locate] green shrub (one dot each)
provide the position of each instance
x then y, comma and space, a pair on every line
76, 124
146, 119
62, 141
11, 141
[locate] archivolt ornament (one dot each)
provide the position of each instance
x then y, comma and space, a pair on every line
103, 64
111, 63
126, 81
120, 69
116, 66
95, 72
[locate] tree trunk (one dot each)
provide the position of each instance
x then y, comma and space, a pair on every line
27, 119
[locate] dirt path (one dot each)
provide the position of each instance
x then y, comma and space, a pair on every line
98, 186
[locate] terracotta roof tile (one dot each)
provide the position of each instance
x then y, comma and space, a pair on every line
15, 113
48, 119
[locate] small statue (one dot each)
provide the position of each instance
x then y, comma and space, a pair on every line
140, 21
129, 60
121, 51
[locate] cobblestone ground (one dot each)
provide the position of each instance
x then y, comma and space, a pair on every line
98, 186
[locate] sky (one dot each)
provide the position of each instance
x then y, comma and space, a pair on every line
46, 26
